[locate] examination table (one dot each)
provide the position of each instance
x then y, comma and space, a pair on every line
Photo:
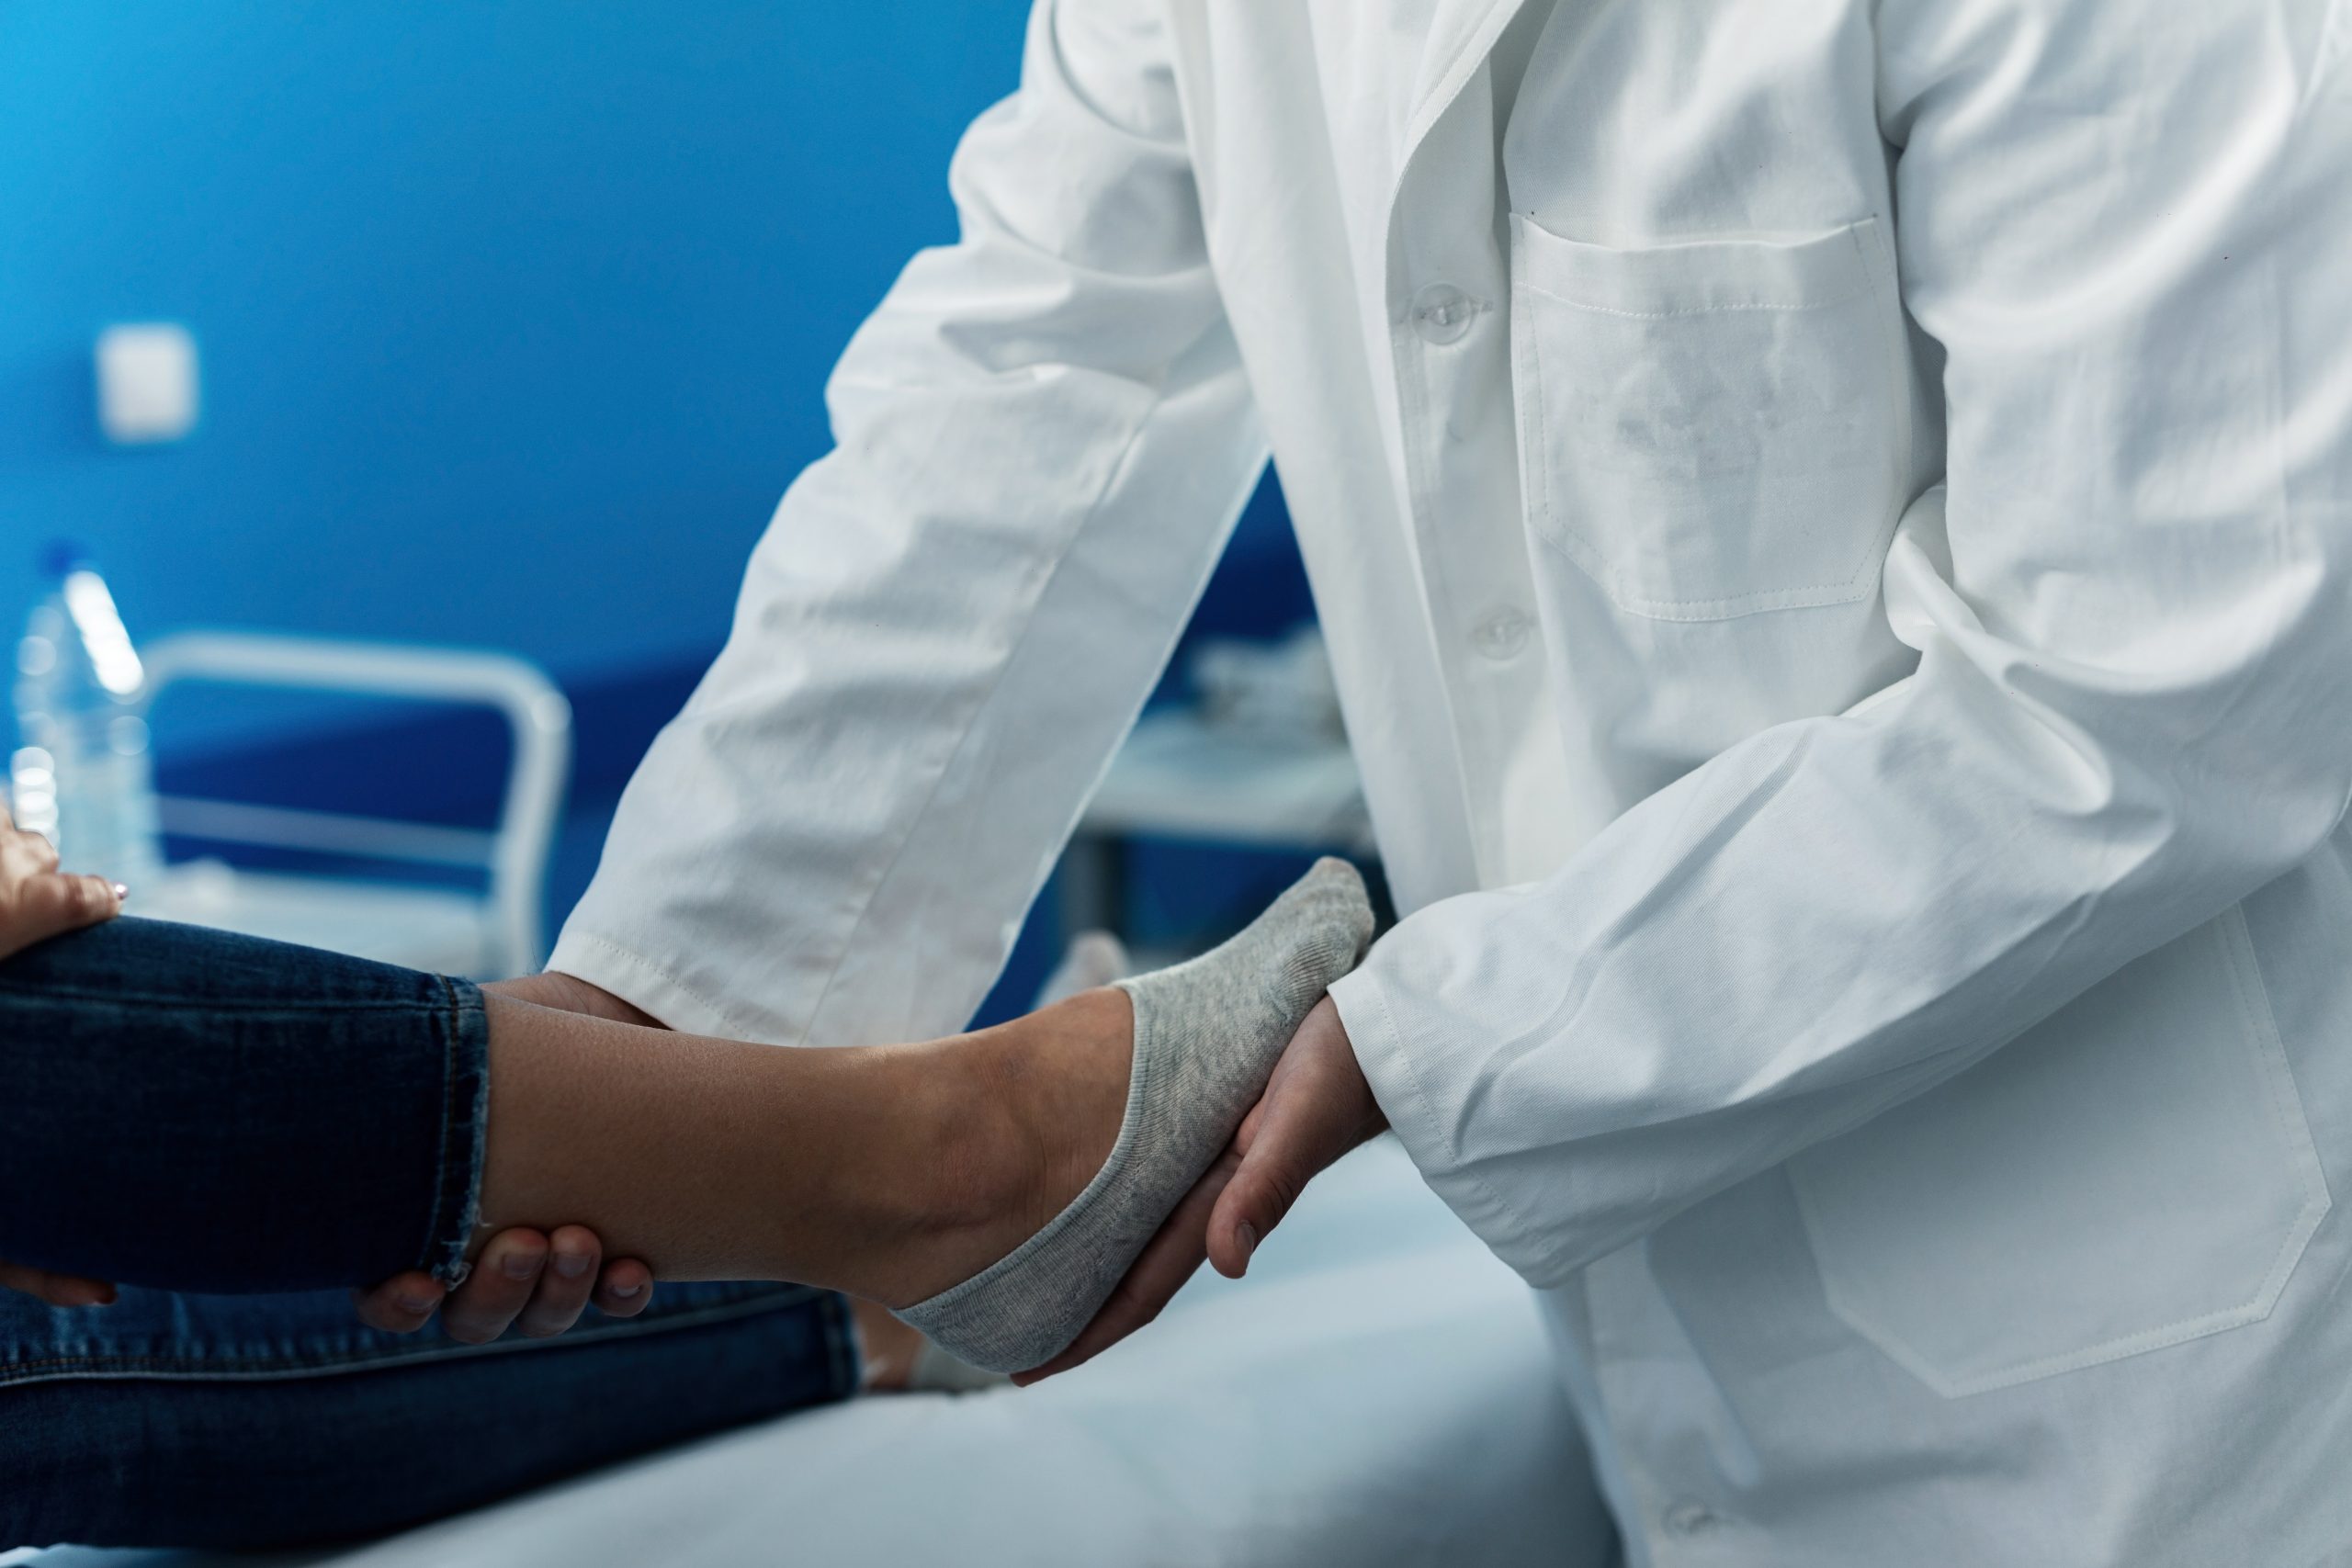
1377, 1393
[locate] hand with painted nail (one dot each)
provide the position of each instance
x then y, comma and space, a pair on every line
523, 1277
536, 1282
37, 900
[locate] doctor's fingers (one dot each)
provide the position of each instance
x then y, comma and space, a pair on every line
624, 1289
504, 1277
1172, 1256
1316, 1107
575, 1255
57, 1289
402, 1305
406, 1302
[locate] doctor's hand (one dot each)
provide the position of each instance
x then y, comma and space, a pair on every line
536, 1281
1316, 1107
569, 993
540, 1282
57, 1289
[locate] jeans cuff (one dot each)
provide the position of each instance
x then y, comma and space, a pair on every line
464, 1123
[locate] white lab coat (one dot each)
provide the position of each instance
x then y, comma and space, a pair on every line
1877, 935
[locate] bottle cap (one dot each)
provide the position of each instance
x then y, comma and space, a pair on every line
60, 557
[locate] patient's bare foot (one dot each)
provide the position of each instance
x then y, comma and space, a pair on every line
937, 1178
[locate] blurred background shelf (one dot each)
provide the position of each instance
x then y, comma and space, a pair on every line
421, 927
1181, 779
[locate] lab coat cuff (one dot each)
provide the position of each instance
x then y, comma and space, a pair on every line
641, 983
1385, 1054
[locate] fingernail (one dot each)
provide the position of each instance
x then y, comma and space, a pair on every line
626, 1292
416, 1304
571, 1265
520, 1265
1247, 1235
102, 1296
121, 894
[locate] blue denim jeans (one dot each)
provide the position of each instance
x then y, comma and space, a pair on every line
250, 1129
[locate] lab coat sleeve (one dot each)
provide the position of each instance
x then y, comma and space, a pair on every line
2127, 225
1043, 436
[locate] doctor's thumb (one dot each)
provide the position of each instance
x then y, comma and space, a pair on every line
1316, 1107
1271, 1176
1294, 1134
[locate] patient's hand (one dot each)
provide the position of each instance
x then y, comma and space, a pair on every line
522, 1278
1316, 1107
37, 900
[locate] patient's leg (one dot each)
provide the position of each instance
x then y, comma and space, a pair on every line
1029, 1154
274, 1421
193, 1110
887, 1172
190, 1109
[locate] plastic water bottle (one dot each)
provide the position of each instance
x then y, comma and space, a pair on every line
81, 772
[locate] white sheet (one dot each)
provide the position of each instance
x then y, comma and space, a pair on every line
1378, 1392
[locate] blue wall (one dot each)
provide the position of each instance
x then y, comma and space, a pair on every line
513, 319
513, 316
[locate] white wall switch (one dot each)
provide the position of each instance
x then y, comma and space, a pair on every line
147, 382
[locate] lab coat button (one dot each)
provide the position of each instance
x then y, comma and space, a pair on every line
1688, 1520
1500, 634
1442, 313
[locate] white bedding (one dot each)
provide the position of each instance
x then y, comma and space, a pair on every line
1378, 1392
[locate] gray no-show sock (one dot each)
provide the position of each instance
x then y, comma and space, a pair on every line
1208, 1034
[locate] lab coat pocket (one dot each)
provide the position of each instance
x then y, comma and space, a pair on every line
1715, 428
2134, 1172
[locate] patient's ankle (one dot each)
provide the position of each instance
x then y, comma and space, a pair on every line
1060, 1077
995, 1133
965, 1139
933, 1170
